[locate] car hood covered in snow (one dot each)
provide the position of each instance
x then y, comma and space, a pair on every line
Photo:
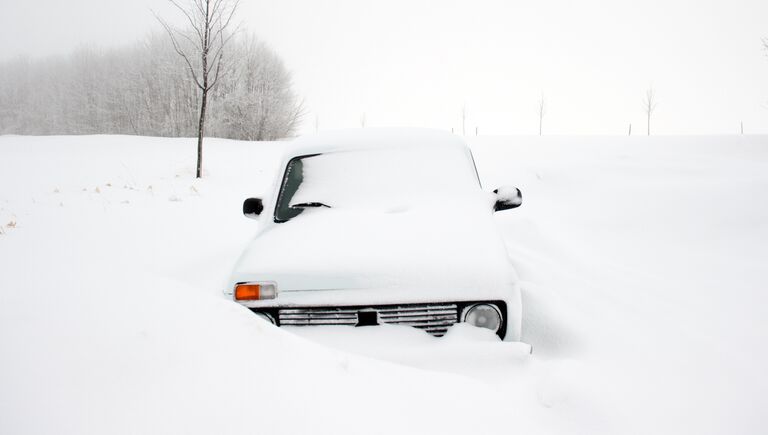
407, 254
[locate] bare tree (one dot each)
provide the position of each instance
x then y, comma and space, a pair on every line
362, 120
649, 105
464, 119
201, 44
542, 111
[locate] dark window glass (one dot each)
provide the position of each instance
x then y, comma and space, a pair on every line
294, 175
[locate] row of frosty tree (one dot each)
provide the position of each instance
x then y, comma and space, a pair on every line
146, 90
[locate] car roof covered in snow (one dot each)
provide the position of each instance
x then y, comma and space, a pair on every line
373, 138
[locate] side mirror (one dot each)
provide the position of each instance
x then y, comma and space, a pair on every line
252, 207
507, 197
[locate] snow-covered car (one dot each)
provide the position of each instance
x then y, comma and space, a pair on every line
380, 226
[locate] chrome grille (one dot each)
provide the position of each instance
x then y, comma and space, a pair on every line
433, 318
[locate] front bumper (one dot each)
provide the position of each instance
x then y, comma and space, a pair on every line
433, 318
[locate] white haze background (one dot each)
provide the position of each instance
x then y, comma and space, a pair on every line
642, 259
415, 62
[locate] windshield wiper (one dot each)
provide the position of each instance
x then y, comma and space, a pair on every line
310, 204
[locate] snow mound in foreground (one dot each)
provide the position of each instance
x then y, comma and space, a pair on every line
642, 262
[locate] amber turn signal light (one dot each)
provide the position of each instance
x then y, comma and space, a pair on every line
247, 292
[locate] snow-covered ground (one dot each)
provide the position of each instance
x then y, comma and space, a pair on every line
643, 262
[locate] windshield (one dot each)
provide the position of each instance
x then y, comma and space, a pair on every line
373, 179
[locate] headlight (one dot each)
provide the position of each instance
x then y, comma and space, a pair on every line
483, 316
254, 291
265, 316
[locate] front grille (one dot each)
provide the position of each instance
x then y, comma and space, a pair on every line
432, 318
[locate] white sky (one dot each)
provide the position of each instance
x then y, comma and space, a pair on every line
415, 62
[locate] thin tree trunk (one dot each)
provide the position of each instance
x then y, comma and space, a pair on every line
200, 132
542, 109
649, 123
203, 103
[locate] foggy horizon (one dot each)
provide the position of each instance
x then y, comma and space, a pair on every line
416, 63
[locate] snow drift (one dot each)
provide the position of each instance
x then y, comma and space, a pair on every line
642, 262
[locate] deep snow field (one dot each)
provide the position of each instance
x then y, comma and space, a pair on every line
643, 263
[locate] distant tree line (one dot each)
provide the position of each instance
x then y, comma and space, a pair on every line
145, 89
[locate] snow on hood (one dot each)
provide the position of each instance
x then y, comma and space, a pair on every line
435, 247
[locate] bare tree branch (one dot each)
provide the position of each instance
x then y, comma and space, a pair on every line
188, 15
219, 54
178, 50
224, 41
199, 4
